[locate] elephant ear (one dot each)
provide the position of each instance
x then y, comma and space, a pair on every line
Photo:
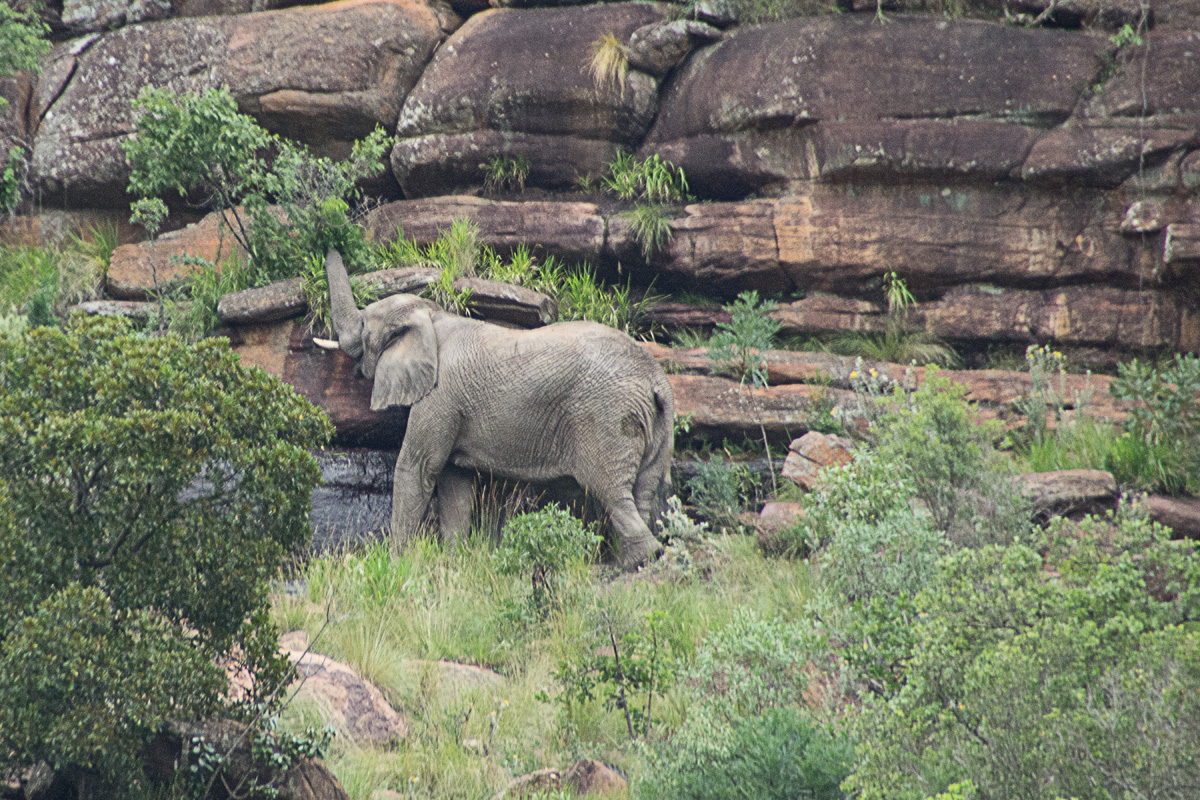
408, 365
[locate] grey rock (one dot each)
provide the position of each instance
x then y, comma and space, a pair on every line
656, 48
1068, 492
275, 301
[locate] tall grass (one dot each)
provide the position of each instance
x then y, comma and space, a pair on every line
395, 612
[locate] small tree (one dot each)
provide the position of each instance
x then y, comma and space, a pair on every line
542, 544
148, 491
22, 43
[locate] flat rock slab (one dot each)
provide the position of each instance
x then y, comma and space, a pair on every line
720, 407
541, 103
1071, 492
138, 270
325, 75
1180, 514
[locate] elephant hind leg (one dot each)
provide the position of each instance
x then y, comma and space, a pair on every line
635, 544
455, 494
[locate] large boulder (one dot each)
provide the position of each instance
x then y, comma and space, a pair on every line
352, 705
813, 452
516, 83
796, 100
325, 75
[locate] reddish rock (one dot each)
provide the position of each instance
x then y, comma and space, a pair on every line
1180, 514
324, 74
571, 231
724, 408
1162, 84
352, 705
1101, 156
843, 239
590, 778
136, 270
542, 104
725, 247
813, 452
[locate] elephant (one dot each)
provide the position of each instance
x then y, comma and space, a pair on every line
571, 399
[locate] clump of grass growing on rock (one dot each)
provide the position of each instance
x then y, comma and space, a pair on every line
608, 64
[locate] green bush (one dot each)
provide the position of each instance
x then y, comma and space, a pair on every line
933, 434
280, 212
149, 490
541, 545
1064, 669
745, 734
720, 491
22, 44
1162, 450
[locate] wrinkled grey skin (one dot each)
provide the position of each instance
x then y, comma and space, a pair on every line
574, 399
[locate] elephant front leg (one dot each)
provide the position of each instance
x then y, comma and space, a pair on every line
412, 488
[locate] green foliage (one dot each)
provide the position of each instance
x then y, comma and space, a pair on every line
1044, 398
1163, 426
1064, 675
138, 475
623, 669
651, 228
735, 345
22, 44
933, 434
1128, 35
459, 253
200, 147
501, 173
743, 734
12, 178
651, 179
720, 491
541, 544
581, 296
39, 283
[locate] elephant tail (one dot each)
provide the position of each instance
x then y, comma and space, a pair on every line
654, 475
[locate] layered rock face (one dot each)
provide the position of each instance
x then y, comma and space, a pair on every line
1028, 184
325, 75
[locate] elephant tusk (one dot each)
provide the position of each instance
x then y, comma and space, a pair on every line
326, 344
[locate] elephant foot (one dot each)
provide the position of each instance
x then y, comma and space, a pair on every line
634, 554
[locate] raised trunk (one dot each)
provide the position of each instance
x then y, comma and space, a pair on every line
347, 319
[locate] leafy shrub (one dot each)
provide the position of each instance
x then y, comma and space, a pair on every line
898, 342
148, 491
745, 734
1162, 450
1071, 674
200, 147
720, 490
629, 670
651, 228
734, 346
38, 283
22, 44
541, 545
651, 179
933, 434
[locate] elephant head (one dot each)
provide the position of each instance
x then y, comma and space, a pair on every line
392, 339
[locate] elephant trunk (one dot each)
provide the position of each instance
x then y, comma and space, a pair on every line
347, 319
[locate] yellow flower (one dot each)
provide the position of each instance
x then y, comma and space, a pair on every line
854, 374
874, 374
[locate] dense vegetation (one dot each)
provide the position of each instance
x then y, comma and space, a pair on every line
149, 490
